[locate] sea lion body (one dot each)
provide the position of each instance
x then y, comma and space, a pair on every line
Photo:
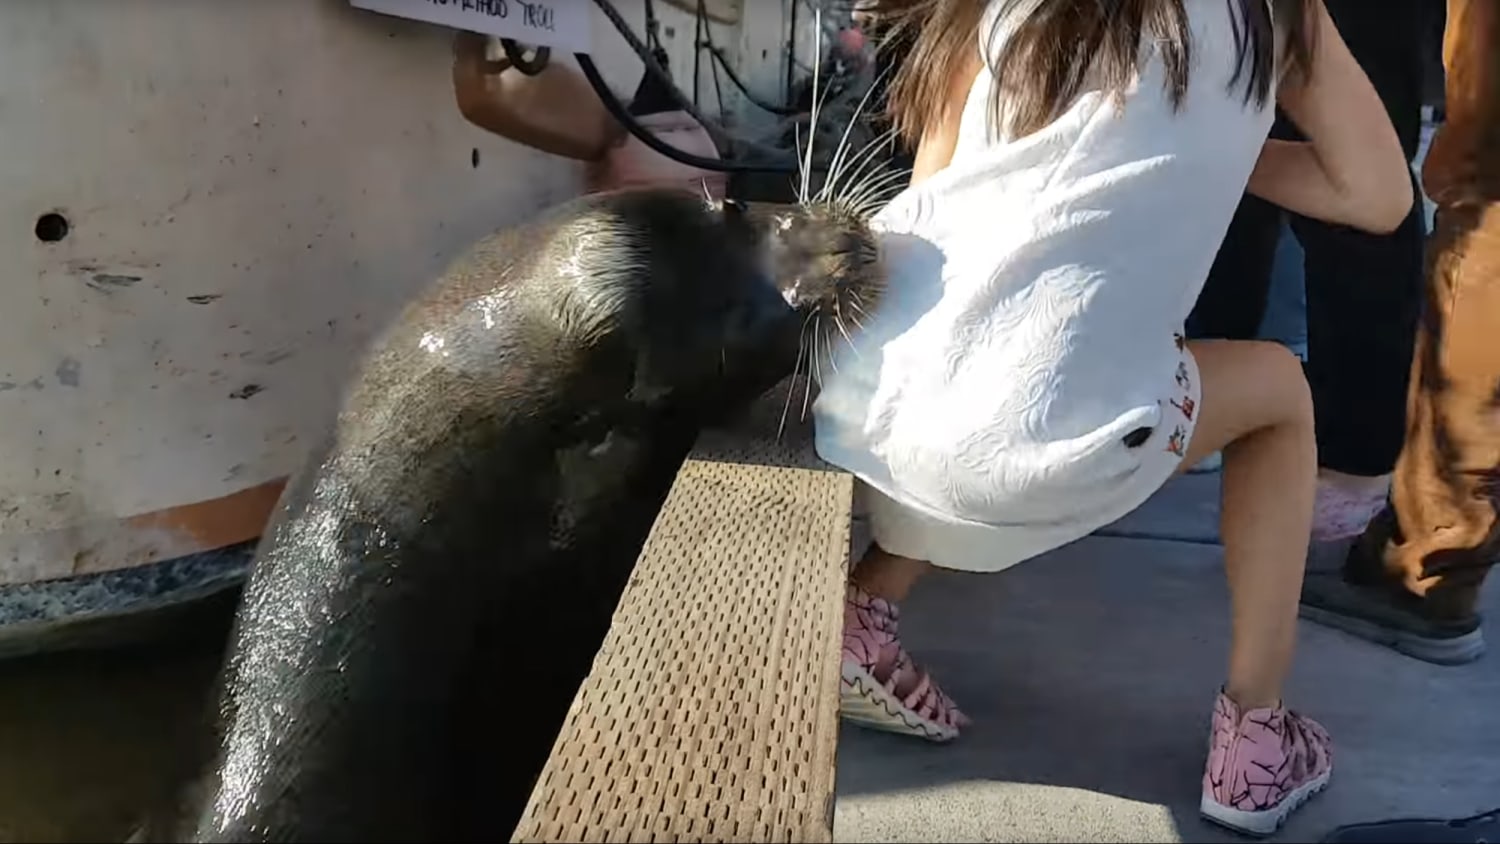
438, 578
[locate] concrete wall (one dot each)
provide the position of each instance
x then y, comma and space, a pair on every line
252, 189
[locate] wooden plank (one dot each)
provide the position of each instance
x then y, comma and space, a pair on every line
711, 712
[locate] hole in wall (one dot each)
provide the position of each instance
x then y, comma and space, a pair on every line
51, 227
474, 157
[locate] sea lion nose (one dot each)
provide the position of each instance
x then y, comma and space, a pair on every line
792, 292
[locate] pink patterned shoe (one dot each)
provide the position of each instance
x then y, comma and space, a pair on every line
1262, 765
881, 687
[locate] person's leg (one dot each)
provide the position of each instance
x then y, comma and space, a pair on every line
881, 686
1412, 580
1256, 409
1235, 295
1264, 760
1285, 320
1233, 299
1364, 292
1432, 59
887, 575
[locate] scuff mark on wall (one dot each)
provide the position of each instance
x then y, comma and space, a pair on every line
33, 384
69, 371
110, 282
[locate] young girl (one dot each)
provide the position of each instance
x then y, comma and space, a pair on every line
1024, 380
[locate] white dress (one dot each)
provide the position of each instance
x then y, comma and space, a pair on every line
1022, 381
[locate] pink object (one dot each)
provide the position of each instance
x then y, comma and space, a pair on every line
1262, 765
1339, 513
630, 163
906, 700
852, 40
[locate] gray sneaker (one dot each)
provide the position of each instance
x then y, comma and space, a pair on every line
1390, 617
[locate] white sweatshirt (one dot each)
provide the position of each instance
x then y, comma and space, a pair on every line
1037, 288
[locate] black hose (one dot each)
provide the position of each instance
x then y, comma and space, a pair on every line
703, 34
622, 114
517, 57
698, 57
791, 54
722, 141
706, 42
718, 53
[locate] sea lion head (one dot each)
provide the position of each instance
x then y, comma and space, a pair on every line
822, 257
704, 303
820, 264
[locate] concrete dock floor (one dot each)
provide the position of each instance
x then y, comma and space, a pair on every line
1090, 674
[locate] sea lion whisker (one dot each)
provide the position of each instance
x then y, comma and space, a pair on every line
873, 186
873, 167
854, 170
871, 206
839, 321
791, 388
811, 360
874, 195
836, 164
812, 376
812, 118
857, 169
890, 181
865, 152
820, 332
797, 140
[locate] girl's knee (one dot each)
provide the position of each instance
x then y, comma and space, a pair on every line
1286, 380
1258, 384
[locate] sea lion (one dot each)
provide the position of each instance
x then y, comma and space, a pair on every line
435, 583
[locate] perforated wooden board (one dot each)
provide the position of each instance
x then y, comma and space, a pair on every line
711, 713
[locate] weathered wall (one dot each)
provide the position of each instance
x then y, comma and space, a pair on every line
252, 189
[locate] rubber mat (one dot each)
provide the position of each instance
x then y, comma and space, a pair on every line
711, 712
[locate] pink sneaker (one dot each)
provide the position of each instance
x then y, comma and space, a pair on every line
881, 687
1262, 765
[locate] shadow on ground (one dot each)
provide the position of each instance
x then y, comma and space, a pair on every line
1090, 674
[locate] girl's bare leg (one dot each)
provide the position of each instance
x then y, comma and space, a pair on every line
881, 686
1264, 760
1256, 408
886, 575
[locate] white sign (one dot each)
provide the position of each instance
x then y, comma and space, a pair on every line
559, 24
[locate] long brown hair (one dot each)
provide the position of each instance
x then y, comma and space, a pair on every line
1050, 52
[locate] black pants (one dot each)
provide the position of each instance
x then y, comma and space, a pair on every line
1363, 290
